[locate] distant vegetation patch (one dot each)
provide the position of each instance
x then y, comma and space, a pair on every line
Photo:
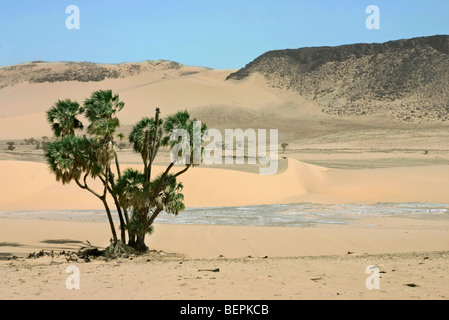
41, 71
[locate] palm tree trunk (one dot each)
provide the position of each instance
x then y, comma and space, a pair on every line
140, 243
152, 153
111, 222
131, 239
117, 165
117, 205
153, 217
122, 222
145, 161
131, 234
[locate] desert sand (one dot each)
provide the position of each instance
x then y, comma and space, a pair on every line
319, 262
29, 186
253, 262
328, 160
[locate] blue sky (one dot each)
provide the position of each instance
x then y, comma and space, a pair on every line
220, 34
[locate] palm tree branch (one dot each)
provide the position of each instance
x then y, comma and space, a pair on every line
153, 217
86, 187
183, 171
162, 179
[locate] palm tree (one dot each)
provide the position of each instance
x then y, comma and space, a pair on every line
74, 158
137, 194
100, 110
284, 146
63, 117
148, 197
145, 138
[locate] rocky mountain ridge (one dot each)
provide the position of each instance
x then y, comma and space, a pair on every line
408, 79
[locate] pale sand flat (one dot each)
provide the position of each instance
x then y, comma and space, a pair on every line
254, 262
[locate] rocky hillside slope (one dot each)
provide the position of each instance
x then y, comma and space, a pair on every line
39, 71
407, 79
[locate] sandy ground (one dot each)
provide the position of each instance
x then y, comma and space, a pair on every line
254, 262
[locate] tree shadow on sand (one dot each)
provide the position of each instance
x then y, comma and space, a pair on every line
65, 244
10, 244
62, 241
5, 255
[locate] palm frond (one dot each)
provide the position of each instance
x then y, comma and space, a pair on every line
137, 137
70, 157
100, 110
63, 117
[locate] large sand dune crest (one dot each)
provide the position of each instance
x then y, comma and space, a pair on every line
30, 186
22, 113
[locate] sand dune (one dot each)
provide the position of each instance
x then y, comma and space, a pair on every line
30, 186
25, 127
22, 113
